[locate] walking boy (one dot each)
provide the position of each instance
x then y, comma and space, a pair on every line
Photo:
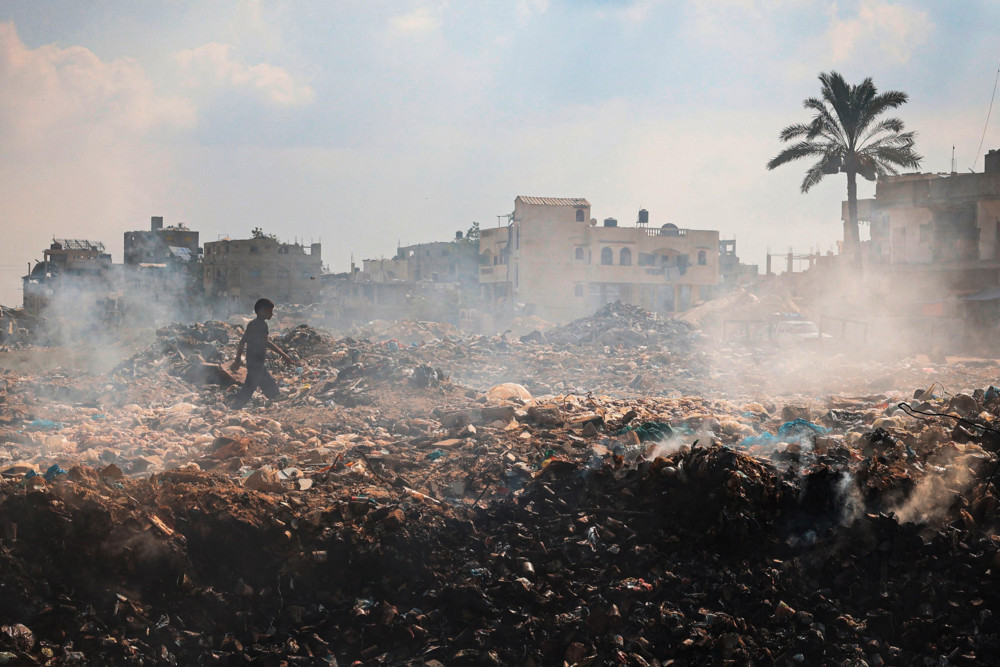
256, 343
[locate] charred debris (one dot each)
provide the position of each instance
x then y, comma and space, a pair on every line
608, 492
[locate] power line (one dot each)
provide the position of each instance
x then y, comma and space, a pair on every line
978, 150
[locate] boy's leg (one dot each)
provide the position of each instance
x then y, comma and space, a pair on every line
268, 385
246, 391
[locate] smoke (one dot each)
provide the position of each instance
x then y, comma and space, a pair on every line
949, 475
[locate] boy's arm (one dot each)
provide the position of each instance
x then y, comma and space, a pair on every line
239, 352
287, 359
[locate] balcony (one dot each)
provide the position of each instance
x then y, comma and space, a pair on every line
656, 231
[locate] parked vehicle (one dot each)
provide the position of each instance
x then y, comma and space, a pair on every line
796, 332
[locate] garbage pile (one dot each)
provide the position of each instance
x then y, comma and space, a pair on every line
385, 512
622, 324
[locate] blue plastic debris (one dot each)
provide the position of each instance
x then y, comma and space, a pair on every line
53, 471
44, 424
796, 430
435, 455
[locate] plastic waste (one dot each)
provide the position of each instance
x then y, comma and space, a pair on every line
797, 430
436, 454
44, 424
649, 431
53, 471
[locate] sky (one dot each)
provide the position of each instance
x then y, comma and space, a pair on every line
365, 125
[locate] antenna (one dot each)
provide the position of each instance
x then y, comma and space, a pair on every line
953, 159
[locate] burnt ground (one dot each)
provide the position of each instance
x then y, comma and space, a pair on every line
392, 511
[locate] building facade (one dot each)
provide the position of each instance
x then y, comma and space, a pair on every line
238, 272
160, 245
77, 269
561, 264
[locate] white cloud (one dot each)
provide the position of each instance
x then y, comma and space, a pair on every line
51, 93
212, 65
420, 21
880, 30
525, 10
78, 157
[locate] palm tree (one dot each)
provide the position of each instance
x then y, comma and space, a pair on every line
846, 135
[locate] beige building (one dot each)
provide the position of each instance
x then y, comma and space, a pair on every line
558, 261
238, 272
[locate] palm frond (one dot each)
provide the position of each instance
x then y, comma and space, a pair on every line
794, 132
795, 152
814, 175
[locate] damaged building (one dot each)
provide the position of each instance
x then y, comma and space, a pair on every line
553, 257
161, 267
426, 281
237, 272
933, 259
77, 268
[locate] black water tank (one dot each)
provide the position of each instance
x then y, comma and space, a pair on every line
643, 216
610, 222
992, 162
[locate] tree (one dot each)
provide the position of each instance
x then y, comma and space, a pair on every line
847, 136
258, 233
472, 234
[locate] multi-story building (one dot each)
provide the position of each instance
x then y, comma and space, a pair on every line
161, 245
554, 258
932, 264
437, 261
162, 272
77, 268
237, 272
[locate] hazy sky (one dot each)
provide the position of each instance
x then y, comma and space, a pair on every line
364, 124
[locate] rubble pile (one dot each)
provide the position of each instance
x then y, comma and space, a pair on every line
622, 324
387, 513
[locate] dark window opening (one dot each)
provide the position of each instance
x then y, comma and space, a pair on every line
607, 256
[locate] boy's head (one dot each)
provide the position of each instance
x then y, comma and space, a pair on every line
264, 308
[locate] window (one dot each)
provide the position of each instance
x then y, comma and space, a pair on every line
702, 258
647, 259
625, 257
579, 254
254, 273
579, 218
253, 248
607, 256
517, 237
578, 291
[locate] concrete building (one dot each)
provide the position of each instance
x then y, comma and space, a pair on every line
933, 259
163, 278
160, 245
558, 261
437, 261
77, 268
944, 228
238, 272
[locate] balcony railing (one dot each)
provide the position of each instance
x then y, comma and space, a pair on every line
656, 231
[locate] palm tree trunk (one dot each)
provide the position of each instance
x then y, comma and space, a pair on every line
852, 237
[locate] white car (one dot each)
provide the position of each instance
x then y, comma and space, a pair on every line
793, 332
